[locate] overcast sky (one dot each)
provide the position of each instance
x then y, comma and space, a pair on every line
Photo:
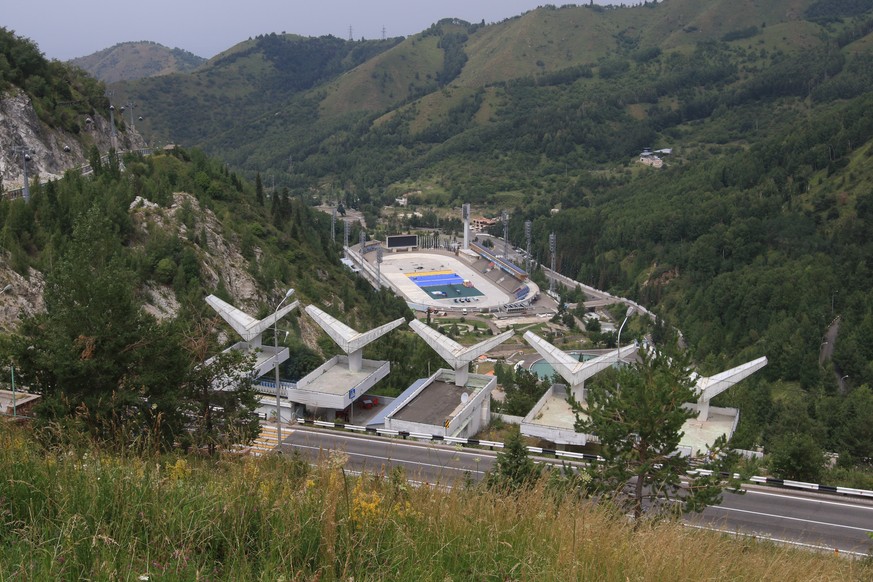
67, 29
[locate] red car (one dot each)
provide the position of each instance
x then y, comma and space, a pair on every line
369, 403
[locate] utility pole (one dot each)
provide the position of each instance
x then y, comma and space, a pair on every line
113, 137
333, 225
527, 233
505, 217
553, 247
25, 151
378, 268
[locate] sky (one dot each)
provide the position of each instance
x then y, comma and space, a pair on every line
69, 29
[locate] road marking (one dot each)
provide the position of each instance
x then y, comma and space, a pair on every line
812, 500
775, 540
864, 529
419, 446
395, 460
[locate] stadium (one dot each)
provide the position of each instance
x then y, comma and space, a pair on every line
468, 278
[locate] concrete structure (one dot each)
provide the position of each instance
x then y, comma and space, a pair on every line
339, 382
17, 403
449, 402
456, 355
709, 388
335, 385
251, 331
349, 340
553, 419
249, 328
571, 369
438, 405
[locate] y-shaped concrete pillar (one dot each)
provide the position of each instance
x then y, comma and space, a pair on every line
571, 369
456, 355
349, 340
709, 388
249, 328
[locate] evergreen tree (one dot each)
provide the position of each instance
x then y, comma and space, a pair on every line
513, 469
94, 353
218, 390
638, 421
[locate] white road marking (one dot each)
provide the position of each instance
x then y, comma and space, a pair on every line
812, 500
864, 529
395, 460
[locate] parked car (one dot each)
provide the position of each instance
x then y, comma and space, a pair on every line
369, 403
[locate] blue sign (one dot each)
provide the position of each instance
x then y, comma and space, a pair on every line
352, 394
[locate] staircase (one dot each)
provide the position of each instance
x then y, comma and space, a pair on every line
267, 441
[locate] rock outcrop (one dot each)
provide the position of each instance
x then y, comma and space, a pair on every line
53, 151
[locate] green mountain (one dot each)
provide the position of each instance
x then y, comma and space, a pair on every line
135, 60
751, 239
244, 82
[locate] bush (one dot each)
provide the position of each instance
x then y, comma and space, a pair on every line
798, 457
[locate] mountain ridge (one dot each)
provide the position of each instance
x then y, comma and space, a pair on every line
133, 60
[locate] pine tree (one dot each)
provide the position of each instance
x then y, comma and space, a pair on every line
638, 422
513, 468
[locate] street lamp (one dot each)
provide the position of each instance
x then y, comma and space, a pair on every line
630, 311
288, 294
841, 382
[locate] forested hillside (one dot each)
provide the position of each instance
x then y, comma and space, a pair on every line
752, 239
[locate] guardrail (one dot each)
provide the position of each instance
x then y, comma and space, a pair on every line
787, 483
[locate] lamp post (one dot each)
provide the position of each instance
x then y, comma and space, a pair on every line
630, 311
288, 294
842, 388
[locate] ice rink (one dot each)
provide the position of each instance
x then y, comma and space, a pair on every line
397, 268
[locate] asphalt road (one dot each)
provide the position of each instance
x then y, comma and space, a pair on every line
808, 519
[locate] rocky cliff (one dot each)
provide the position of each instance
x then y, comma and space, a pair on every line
52, 151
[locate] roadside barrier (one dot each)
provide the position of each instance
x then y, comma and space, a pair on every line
492, 445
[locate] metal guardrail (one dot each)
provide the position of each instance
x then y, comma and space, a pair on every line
787, 483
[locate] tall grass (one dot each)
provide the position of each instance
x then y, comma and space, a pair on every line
80, 513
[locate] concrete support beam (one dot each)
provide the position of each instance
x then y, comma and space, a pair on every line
708, 388
248, 328
458, 357
571, 369
349, 340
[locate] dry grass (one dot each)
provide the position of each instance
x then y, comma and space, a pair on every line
80, 513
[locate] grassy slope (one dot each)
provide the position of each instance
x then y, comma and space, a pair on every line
538, 42
135, 60
86, 513
390, 77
